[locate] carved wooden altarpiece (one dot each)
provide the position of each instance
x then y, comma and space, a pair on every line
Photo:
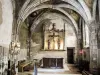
54, 38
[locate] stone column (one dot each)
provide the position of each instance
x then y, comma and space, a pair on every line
79, 46
79, 43
99, 8
93, 48
80, 34
98, 43
16, 64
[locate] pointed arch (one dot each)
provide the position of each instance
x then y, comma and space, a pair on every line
41, 18
86, 9
48, 6
73, 3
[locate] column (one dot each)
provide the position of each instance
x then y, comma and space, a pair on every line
99, 8
93, 48
16, 63
16, 67
98, 43
79, 42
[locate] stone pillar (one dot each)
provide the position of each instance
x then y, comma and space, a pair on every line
99, 8
79, 39
80, 34
98, 43
79, 44
93, 48
16, 64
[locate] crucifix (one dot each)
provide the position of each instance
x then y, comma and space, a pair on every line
53, 35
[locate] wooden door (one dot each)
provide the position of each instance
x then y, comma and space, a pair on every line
70, 55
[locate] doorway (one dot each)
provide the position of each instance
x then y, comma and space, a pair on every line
70, 55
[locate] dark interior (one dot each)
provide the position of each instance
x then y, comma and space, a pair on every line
52, 62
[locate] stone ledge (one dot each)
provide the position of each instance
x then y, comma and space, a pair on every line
52, 50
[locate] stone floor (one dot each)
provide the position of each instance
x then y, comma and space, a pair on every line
72, 71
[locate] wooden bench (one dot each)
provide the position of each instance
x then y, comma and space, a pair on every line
23, 65
86, 73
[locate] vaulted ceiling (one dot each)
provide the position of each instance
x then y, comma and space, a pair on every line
71, 9
36, 12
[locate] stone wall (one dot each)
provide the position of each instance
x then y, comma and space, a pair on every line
37, 38
0, 13
6, 22
6, 18
23, 35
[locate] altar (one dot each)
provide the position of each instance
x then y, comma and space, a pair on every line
56, 63
53, 54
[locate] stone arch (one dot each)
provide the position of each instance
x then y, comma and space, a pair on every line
94, 9
73, 3
23, 7
35, 3
41, 18
61, 10
86, 9
42, 7
73, 8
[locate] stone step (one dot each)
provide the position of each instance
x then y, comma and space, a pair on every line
58, 74
45, 74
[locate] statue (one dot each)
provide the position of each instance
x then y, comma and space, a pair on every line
48, 44
58, 43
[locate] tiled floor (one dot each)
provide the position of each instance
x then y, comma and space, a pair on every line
72, 71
